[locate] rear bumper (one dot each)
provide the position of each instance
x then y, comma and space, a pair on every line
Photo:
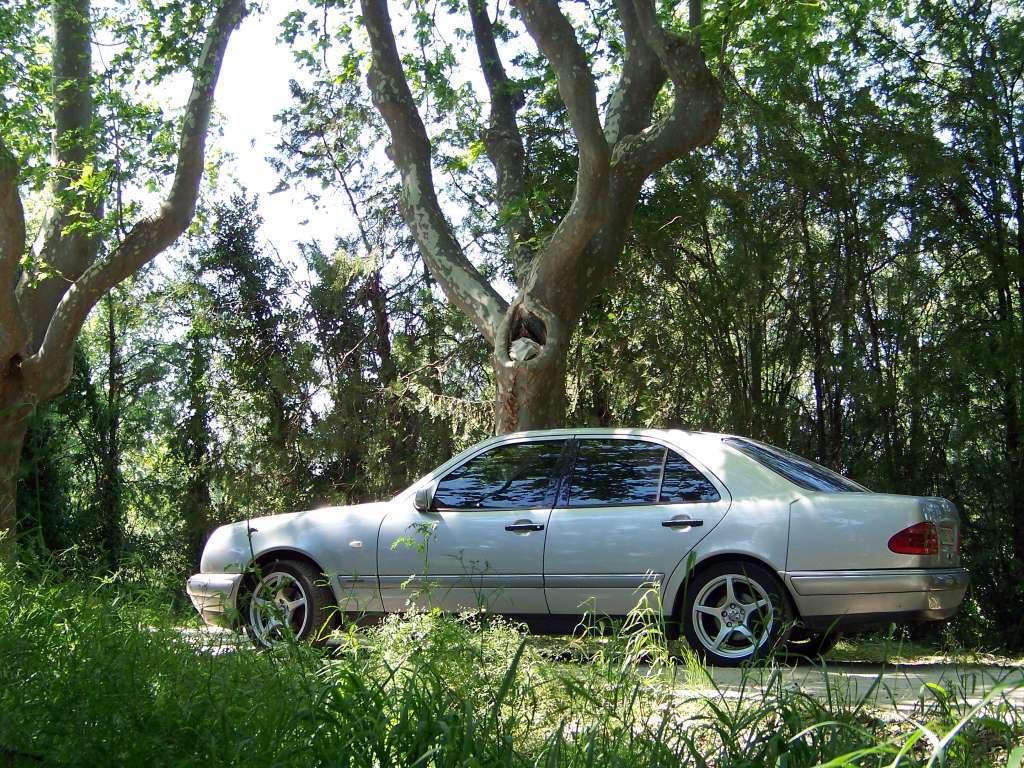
854, 599
215, 596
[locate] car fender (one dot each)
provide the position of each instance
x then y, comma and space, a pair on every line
342, 541
755, 529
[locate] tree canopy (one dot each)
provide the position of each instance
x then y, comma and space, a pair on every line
833, 262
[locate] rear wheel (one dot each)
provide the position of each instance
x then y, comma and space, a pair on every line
288, 599
734, 612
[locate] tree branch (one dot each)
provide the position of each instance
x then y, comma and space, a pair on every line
51, 364
556, 39
632, 100
410, 151
696, 112
12, 246
64, 246
504, 143
640, 149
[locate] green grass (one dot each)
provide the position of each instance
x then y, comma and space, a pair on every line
91, 676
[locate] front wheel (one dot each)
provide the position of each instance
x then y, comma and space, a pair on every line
734, 612
288, 600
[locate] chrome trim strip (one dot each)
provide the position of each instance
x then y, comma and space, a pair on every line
521, 581
468, 581
602, 581
356, 581
881, 581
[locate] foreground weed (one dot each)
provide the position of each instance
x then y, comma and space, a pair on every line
88, 679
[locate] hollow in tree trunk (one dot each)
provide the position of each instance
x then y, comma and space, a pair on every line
529, 370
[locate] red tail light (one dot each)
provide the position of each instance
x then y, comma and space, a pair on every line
918, 539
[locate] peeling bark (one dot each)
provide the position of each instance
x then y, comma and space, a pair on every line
632, 100
41, 318
15, 410
13, 331
64, 251
504, 143
410, 150
152, 234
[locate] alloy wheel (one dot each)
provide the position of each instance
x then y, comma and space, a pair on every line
278, 608
733, 616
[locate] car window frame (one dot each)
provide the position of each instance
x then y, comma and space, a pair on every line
563, 499
558, 477
704, 473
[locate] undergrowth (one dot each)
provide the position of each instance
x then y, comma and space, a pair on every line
90, 676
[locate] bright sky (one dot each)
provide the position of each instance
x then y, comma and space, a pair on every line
253, 86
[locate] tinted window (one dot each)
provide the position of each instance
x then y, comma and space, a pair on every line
516, 476
798, 470
683, 482
616, 472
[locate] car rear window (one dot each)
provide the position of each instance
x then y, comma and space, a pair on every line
798, 470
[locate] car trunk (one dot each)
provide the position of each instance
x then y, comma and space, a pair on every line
855, 531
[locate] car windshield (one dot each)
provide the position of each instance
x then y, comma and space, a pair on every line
796, 469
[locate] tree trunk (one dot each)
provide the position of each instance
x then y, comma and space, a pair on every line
42, 312
14, 420
529, 396
111, 486
194, 446
530, 354
530, 341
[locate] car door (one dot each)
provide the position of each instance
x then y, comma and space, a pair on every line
631, 511
481, 543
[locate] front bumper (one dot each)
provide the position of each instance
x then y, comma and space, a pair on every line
215, 596
853, 599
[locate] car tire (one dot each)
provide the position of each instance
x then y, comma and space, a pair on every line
735, 612
287, 599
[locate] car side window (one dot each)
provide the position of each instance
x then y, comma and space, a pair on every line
683, 482
513, 476
619, 472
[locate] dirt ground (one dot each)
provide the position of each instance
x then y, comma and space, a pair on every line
900, 687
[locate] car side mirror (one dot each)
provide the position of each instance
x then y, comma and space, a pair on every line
424, 499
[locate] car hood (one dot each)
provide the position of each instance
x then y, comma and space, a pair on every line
231, 547
373, 511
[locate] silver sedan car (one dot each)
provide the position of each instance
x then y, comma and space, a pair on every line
741, 545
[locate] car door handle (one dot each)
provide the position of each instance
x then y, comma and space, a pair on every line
516, 527
682, 523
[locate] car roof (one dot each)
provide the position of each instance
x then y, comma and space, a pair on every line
681, 437
562, 431
694, 442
